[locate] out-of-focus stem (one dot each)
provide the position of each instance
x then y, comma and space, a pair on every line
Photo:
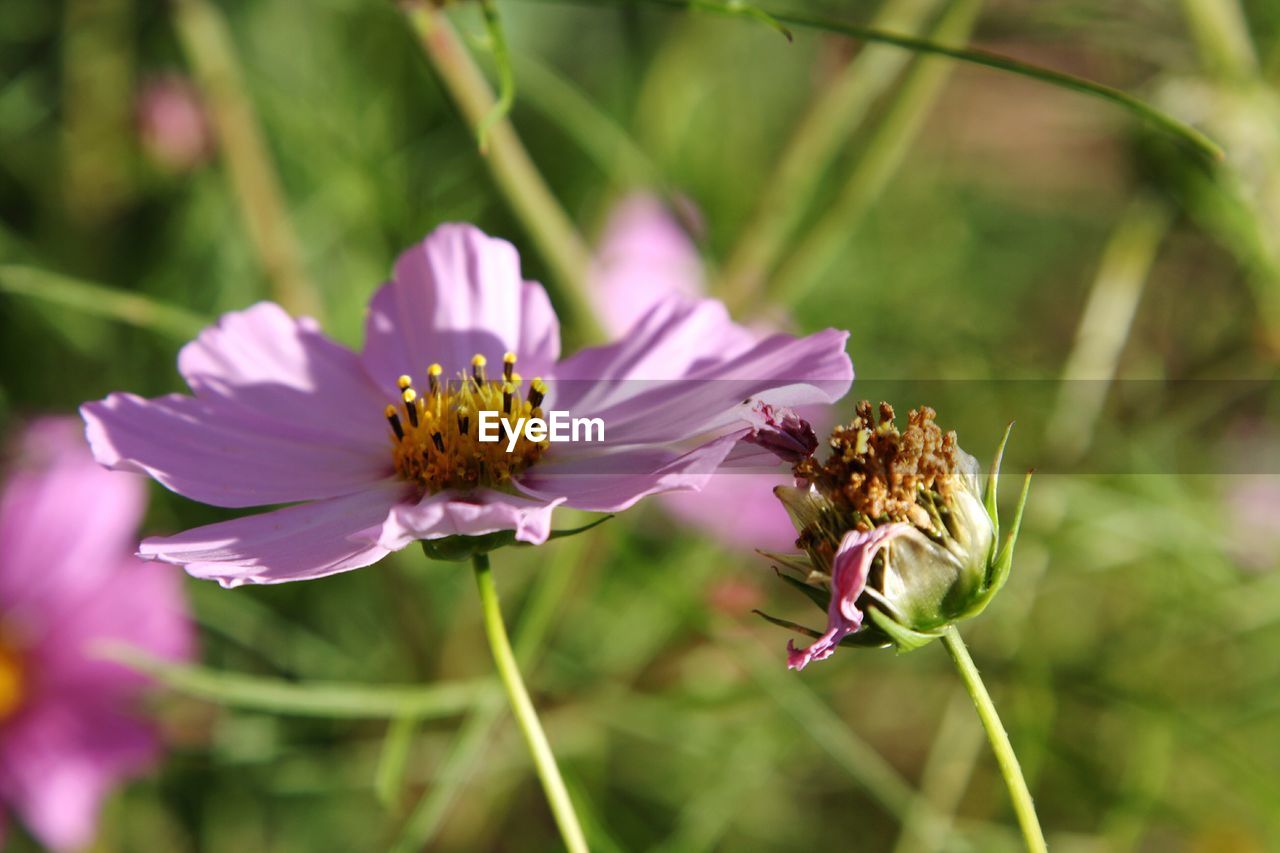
876, 166
206, 41
509, 163
824, 129
1023, 805
1104, 326
1220, 32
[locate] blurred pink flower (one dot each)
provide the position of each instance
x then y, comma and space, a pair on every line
171, 122
281, 414
645, 257
67, 582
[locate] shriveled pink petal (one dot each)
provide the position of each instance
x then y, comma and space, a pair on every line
63, 520
284, 371
848, 579
644, 257
458, 293
613, 481
486, 511
307, 541
58, 760
226, 455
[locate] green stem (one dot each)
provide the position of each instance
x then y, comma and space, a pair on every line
1023, 805
522, 707
206, 41
824, 131
514, 172
1196, 140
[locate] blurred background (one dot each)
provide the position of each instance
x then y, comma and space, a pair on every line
1001, 249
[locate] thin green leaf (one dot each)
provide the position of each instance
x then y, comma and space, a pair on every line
100, 300
1005, 560
1197, 141
312, 699
388, 778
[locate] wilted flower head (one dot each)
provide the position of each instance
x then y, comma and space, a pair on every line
893, 523
69, 729
382, 448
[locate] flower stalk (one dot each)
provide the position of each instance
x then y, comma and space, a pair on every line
522, 707
1023, 805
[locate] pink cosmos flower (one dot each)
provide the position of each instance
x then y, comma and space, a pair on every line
68, 582
644, 258
171, 122
374, 459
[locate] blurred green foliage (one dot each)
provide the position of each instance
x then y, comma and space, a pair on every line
1133, 652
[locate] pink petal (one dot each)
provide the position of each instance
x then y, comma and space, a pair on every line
487, 511
849, 572
613, 481
64, 521
219, 453
301, 542
61, 757
738, 509
644, 257
285, 371
456, 294
139, 604
717, 393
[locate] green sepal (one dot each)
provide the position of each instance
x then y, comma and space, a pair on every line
998, 573
794, 627
904, 638
820, 597
459, 549
990, 499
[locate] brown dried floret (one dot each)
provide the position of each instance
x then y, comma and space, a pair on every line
881, 474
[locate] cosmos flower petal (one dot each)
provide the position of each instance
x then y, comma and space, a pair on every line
458, 293
739, 509
58, 762
223, 455
644, 257
284, 370
300, 542
486, 511
60, 515
849, 572
781, 370
136, 603
610, 482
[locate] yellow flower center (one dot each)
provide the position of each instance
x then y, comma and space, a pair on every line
12, 680
435, 435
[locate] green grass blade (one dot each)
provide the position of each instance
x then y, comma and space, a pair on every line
334, 700
1196, 140
100, 300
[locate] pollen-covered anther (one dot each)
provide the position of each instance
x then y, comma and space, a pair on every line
436, 443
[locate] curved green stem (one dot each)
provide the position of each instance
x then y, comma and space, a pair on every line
1023, 805
522, 707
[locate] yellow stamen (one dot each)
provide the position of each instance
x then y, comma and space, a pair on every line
12, 681
438, 449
